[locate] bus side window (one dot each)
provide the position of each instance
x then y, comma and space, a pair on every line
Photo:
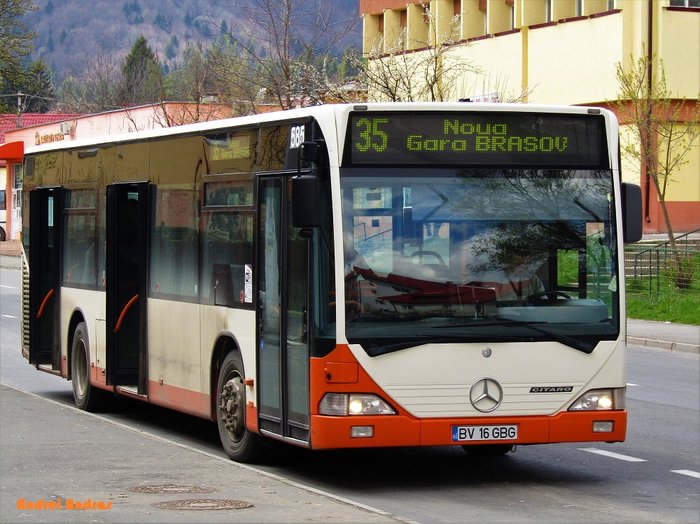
227, 250
79, 251
174, 244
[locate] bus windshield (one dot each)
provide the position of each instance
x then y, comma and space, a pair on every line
458, 254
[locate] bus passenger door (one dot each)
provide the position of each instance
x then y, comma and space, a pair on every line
45, 207
283, 341
126, 286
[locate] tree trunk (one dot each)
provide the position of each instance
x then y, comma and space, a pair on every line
680, 269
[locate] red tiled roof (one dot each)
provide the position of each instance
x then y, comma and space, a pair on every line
8, 122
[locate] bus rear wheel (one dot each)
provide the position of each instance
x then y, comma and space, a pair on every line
240, 444
87, 397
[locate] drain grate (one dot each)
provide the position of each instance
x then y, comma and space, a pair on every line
203, 504
171, 488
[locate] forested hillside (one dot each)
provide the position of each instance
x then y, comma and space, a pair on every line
71, 33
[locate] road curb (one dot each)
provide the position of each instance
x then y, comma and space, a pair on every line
9, 262
664, 344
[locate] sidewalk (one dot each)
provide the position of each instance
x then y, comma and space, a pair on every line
10, 250
663, 335
60, 464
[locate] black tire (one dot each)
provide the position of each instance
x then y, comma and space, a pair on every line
239, 444
87, 397
3, 236
488, 450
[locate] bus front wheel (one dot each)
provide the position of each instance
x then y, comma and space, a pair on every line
240, 444
86, 396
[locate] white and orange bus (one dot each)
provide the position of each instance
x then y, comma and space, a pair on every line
342, 276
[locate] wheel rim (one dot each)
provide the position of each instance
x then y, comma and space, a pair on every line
232, 407
80, 378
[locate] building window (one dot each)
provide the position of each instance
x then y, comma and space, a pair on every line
17, 203
685, 3
17, 176
548, 11
17, 181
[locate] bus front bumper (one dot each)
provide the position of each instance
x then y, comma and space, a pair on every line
329, 432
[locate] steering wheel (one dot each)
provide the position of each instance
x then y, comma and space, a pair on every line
422, 253
549, 294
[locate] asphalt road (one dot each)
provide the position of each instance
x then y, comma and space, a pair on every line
652, 477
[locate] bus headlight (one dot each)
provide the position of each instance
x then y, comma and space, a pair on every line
600, 400
342, 404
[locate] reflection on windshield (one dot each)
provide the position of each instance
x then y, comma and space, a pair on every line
453, 248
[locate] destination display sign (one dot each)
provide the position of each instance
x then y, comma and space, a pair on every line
503, 139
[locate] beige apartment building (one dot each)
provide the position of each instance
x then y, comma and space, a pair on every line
556, 52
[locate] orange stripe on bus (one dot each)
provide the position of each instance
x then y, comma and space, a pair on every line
251, 418
124, 311
406, 430
44, 302
181, 399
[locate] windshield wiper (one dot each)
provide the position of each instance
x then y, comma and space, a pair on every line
379, 349
567, 340
587, 209
572, 342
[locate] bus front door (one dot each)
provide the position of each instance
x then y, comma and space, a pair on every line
45, 207
283, 347
126, 271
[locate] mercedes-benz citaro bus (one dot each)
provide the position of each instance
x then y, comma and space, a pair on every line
342, 276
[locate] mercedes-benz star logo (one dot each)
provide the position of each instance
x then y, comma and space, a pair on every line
486, 395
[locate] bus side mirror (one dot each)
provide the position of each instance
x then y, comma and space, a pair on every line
305, 201
631, 213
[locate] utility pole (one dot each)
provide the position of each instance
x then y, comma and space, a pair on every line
20, 108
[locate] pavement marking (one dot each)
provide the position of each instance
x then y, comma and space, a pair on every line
687, 472
610, 454
632, 384
9, 316
7, 287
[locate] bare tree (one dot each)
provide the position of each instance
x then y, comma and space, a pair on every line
196, 84
230, 70
95, 90
434, 69
429, 72
665, 130
286, 50
107, 84
492, 89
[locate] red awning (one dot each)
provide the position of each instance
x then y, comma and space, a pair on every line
12, 151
